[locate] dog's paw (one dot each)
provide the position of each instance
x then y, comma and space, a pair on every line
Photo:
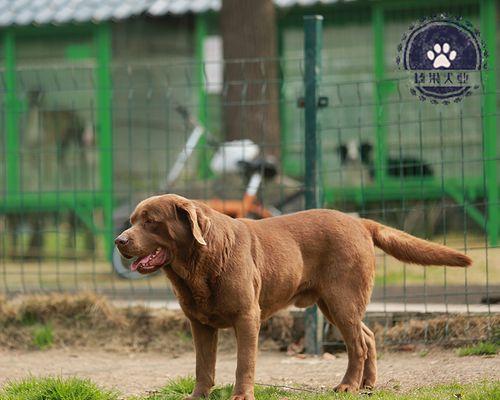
368, 384
344, 387
242, 397
197, 396
199, 393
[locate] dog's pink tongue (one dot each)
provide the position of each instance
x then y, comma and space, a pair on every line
138, 262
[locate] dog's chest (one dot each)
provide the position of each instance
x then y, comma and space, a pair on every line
199, 300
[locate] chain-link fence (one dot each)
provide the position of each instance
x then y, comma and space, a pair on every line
83, 142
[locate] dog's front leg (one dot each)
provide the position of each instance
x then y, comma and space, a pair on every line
205, 343
247, 334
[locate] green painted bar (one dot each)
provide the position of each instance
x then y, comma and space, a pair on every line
392, 190
11, 124
50, 201
200, 35
379, 94
105, 133
488, 14
313, 31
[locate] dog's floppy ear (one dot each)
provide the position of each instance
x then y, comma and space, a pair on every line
192, 213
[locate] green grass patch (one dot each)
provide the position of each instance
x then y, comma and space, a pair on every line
424, 353
54, 388
479, 349
178, 389
81, 389
185, 336
43, 336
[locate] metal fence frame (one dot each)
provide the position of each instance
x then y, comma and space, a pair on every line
84, 202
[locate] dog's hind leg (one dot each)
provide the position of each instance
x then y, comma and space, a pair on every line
370, 370
348, 320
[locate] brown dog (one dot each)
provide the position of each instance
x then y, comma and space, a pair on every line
237, 272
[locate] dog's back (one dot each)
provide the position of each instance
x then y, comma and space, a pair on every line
318, 233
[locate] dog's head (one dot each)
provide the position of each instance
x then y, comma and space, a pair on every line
163, 228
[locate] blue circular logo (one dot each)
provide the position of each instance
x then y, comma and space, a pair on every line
442, 55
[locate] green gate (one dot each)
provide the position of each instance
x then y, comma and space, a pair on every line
76, 71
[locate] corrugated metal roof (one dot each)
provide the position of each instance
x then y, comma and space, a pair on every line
39, 12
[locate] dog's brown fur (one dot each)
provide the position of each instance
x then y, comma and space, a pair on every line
237, 272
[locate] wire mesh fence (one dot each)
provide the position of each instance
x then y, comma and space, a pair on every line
77, 155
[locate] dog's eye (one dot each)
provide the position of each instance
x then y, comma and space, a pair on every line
150, 225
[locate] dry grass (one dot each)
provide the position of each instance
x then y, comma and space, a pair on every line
443, 329
88, 320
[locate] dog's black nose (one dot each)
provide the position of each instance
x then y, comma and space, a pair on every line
121, 240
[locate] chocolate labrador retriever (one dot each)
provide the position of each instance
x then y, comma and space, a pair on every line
237, 272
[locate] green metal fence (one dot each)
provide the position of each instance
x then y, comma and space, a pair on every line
62, 201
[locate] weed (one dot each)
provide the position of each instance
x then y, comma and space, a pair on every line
479, 349
43, 336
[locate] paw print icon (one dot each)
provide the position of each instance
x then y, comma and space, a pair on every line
442, 56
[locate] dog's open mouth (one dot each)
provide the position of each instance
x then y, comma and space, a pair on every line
151, 262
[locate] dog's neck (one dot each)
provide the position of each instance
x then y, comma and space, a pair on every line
194, 272
193, 261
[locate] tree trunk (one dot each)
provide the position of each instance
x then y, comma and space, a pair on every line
251, 84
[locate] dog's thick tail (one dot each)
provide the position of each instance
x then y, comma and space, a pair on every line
413, 250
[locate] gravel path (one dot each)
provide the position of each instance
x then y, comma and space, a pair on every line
137, 373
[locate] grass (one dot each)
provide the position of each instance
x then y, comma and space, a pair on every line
424, 353
43, 336
54, 388
178, 389
479, 349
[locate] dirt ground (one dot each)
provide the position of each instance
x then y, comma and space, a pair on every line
138, 373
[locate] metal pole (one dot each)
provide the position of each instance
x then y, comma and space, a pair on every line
488, 14
313, 26
312, 50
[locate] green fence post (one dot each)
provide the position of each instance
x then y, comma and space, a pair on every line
313, 29
380, 93
201, 34
105, 133
11, 126
488, 14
